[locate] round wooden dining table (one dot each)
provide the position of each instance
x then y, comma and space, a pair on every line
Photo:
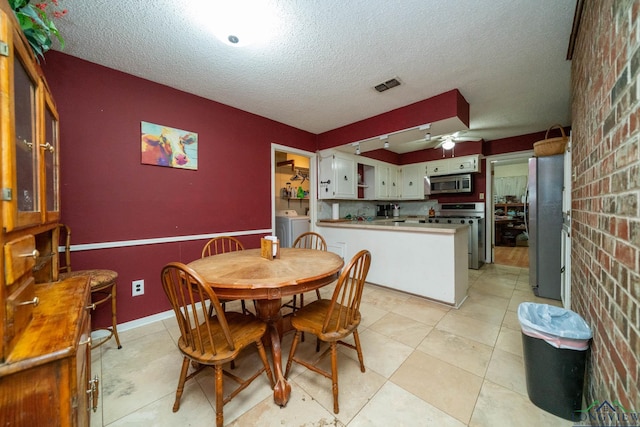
247, 275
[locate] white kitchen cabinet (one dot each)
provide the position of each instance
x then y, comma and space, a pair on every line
337, 176
438, 167
387, 184
465, 164
412, 177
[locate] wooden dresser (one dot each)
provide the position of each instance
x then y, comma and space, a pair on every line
46, 380
45, 351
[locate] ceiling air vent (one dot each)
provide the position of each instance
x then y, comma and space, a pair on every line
387, 85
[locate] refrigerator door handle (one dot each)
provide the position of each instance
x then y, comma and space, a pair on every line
526, 220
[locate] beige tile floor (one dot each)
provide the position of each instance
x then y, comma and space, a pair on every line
426, 364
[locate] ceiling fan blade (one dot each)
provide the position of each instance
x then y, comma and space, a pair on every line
466, 139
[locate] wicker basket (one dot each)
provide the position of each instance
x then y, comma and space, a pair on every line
550, 146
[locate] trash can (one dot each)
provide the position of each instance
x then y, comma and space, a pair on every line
555, 343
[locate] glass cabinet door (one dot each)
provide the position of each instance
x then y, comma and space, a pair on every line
26, 147
50, 155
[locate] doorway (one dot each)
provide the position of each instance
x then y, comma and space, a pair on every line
506, 224
293, 170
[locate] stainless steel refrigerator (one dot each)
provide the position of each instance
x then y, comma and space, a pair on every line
546, 178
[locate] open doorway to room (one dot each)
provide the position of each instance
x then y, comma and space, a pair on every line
293, 187
507, 228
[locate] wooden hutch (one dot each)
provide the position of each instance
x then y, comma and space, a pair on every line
45, 344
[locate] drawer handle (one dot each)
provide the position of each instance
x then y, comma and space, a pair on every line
35, 254
28, 144
35, 301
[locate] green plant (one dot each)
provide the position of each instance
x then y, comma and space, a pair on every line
36, 20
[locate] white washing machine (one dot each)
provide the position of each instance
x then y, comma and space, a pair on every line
289, 225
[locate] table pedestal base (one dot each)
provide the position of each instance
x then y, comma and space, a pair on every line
269, 311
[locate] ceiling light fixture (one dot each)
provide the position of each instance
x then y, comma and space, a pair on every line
385, 138
236, 23
427, 137
358, 149
448, 144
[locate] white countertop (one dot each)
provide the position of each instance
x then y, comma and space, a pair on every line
390, 225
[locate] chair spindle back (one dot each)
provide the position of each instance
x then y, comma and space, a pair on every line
188, 295
65, 239
310, 240
343, 311
221, 245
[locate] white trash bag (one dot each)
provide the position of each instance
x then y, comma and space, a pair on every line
559, 327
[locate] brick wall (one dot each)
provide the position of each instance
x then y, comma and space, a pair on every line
606, 189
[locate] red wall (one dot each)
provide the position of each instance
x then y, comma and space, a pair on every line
108, 195
440, 107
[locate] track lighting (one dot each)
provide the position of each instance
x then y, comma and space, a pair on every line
427, 137
386, 144
358, 149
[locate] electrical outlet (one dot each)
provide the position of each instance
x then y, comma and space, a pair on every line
137, 288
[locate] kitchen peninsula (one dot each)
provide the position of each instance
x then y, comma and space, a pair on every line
428, 260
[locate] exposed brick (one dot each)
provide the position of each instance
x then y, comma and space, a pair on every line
622, 228
634, 289
606, 224
626, 254
634, 65
619, 181
627, 204
633, 93
634, 182
634, 234
609, 122
625, 155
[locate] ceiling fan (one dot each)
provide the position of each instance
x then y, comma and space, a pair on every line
448, 141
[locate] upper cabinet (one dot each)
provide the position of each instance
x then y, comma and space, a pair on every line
387, 183
29, 191
337, 176
412, 181
437, 167
347, 176
454, 165
465, 164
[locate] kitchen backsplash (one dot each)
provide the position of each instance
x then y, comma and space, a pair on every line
368, 208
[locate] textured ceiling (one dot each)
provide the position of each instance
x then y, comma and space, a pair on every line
317, 71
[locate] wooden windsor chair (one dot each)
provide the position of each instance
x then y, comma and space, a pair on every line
210, 341
103, 285
333, 320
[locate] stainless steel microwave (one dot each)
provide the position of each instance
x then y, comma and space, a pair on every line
447, 184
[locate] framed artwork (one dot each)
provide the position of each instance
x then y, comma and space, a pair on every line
170, 147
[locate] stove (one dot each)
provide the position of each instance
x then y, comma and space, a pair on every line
471, 214
415, 219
